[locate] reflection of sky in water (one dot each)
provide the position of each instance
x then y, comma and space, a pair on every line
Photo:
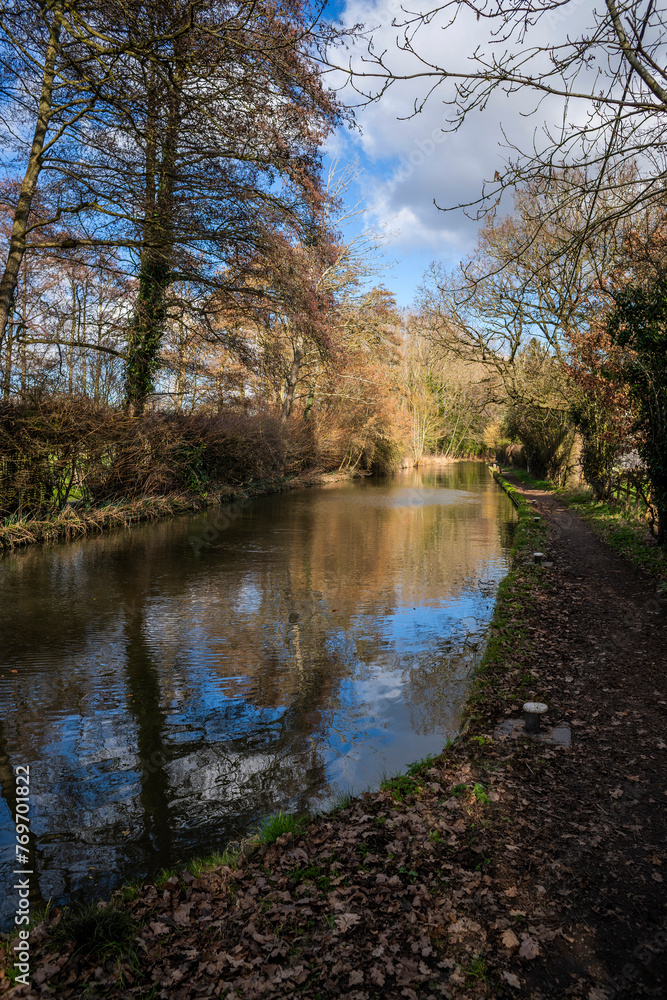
166, 700
407, 497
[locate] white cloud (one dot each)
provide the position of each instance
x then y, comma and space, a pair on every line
410, 160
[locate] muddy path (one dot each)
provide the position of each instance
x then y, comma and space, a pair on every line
600, 652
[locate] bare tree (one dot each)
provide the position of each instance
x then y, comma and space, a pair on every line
604, 66
56, 58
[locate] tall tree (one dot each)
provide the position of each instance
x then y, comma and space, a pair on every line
194, 150
637, 326
56, 57
211, 170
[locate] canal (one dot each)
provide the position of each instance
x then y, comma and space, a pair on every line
172, 685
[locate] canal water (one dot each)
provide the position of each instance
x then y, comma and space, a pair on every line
172, 685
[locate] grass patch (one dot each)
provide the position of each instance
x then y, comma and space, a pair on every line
530, 534
278, 825
313, 873
96, 931
400, 786
525, 477
164, 875
130, 891
341, 802
624, 529
495, 683
216, 859
477, 970
422, 765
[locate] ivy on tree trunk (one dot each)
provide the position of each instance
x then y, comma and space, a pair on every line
145, 334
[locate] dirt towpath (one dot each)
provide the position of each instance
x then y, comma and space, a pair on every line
600, 653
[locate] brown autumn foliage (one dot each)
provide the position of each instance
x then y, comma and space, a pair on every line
66, 450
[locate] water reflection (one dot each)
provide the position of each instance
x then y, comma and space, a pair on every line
168, 695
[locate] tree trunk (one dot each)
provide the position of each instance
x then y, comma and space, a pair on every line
291, 382
6, 386
147, 327
17, 239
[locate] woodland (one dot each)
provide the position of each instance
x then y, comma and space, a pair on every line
180, 307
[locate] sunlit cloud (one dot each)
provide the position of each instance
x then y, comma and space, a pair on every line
413, 162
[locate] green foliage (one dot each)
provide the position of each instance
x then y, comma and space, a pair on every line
480, 793
275, 826
481, 740
95, 930
600, 443
400, 786
639, 324
422, 765
386, 455
547, 434
145, 333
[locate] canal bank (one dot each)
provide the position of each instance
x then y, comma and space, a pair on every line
75, 522
506, 866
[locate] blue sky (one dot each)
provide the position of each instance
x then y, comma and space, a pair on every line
403, 166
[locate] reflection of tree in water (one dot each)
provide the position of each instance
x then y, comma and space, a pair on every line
507, 532
145, 706
434, 685
192, 792
218, 674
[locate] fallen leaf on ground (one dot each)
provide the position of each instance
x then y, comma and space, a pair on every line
346, 920
510, 940
529, 949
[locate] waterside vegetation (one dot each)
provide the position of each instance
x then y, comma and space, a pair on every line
625, 527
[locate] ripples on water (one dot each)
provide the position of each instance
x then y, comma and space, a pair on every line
168, 695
